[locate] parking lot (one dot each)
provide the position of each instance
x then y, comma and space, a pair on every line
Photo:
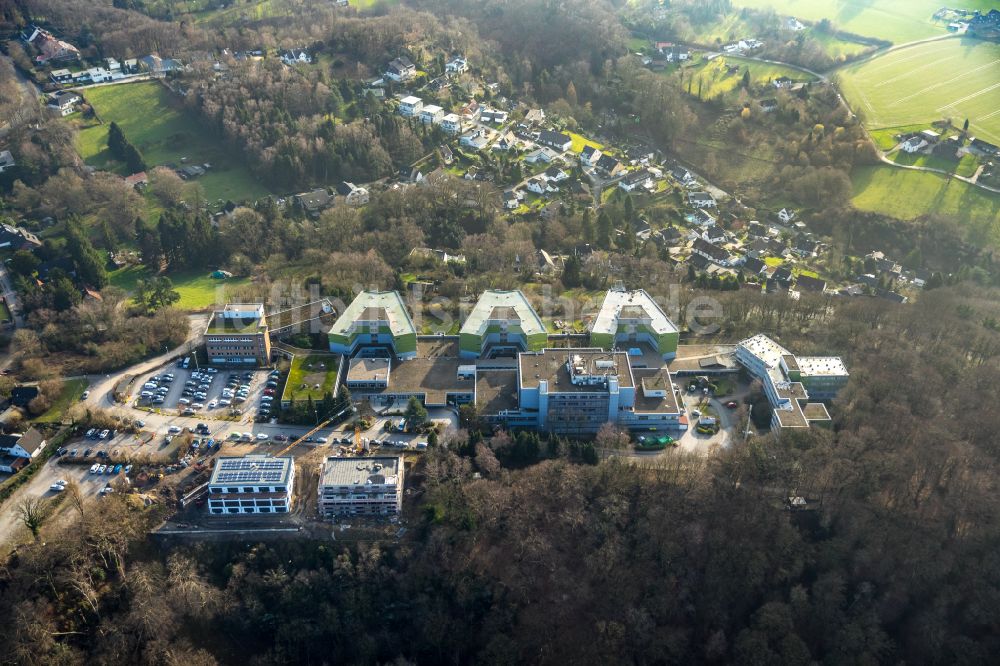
206, 393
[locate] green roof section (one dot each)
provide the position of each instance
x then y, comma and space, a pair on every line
375, 306
495, 306
237, 319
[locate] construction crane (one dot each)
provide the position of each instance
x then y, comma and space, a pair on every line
296, 442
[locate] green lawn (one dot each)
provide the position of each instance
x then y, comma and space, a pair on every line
164, 133
198, 290
964, 167
71, 391
835, 47
311, 370
909, 194
714, 79
898, 21
953, 78
580, 142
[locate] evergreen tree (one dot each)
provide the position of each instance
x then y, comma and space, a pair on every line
89, 264
116, 141
604, 230
587, 227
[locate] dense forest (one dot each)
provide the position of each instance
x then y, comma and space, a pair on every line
547, 559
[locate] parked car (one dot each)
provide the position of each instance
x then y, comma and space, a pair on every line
100, 470
141, 424
85, 395
732, 404
91, 432
94, 468
104, 434
128, 469
321, 440
118, 468
173, 430
262, 437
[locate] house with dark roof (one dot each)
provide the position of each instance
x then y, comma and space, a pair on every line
710, 251
810, 284
20, 396
984, 148
714, 234
683, 176
401, 69
753, 266
633, 179
590, 156
805, 247
701, 200
17, 238
556, 140
609, 165
315, 201
782, 278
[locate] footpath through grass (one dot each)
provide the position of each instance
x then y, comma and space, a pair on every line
165, 134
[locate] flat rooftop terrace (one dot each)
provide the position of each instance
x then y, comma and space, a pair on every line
655, 380
382, 470
551, 365
234, 325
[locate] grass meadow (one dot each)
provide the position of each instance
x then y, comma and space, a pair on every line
164, 133
897, 21
908, 194
954, 78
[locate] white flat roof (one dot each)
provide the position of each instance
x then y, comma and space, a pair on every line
814, 366
766, 349
410, 100
614, 302
373, 303
383, 470
431, 108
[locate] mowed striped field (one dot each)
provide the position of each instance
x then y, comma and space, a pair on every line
953, 78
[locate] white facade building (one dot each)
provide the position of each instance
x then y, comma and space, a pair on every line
361, 487
251, 484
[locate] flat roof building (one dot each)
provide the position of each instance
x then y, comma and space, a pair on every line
789, 380
361, 486
502, 323
374, 323
630, 317
238, 335
576, 391
251, 484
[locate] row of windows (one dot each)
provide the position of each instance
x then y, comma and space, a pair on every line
248, 502
247, 489
262, 509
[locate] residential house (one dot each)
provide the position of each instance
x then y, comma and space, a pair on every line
609, 166
411, 175
451, 124
557, 140
456, 65
445, 152
714, 234
786, 215
753, 266
768, 105
810, 284
670, 236
712, 252
401, 69
154, 64
17, 238
506, 142
296, 56
782, 82
20, 396
891, 296
137, 180
17, 450
477, 138
63, 103
51, 49
534, 117
512, 199
471, 110
352, 194
536, 185
683, 176
794, 24
805, 247
756, 230
590, 156
431, 114
494, 116
702, 218
61, 76
410, 106
701, 200
554, 173
314, 202
676, 54
546, 155
634, 179
551, 210
782, 278
6, 161
913, 145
